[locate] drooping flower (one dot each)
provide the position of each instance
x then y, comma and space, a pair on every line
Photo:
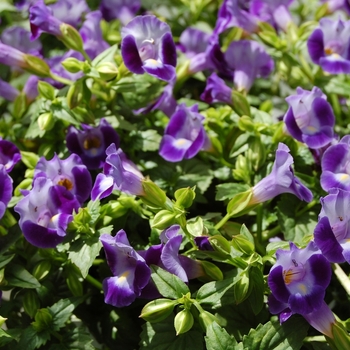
329, 46
45, 212
130, 271
310, 118
69, 11
335, 165
124, 10
7, 91
90, 144
280, 180
12, 57
148, 46
9, 154
248, 60
332, 232
118, 173
298, 282
216, 90
184, 136
6, 188
69, 173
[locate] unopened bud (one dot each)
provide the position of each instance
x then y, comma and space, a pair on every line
184, 197
107, 70
163, 219
36, 66
72, 65
31, 303
242, 244
41, 269
183, 321
241, 288
153, 195
46, 90
206, 319
46, 121
71, 37
158, 310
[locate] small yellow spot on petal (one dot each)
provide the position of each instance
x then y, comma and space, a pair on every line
123, 276
328, 51
302, 288
344, 177
311, 128
66, 183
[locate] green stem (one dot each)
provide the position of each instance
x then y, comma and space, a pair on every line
307, 207
259, 219
94, 282
222, 222
61, 80
86, 56
342, 277
271, 233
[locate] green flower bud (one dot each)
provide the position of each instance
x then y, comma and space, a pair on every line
240, 104
341, 338
220, 245
183, 321
41, 269
46, 90
71, 38
31, 303
196, 227
158, 310
46, 121
2, 320
30, 159
242, 244
211, 270
206, 319
74, 285
163, 219
239, 204
154, 196
37, 66
43, 320
107, 70
72, 65
245, 123
241, 288
184, 197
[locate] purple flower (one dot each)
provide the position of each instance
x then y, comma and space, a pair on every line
193, 41
298, 282
12, 57
124, 10
202, 242
332, 232
6, 188
184, 136
148, 46
310, 118
92, 35
45, 213
119, 173
7, 91
69, 173
334, 5
90, 144
69, 11
280, 180
130, 271
30, 88
9, 154
216, 90
335, 165
329, 46
249, 60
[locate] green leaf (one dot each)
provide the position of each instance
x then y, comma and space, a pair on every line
18, 276
150, 140
63, 113
105, 56
5, 259
273, 336
5, 337
31, 339
212, 293
240, 104
30, 159
228, 190
256, 284
218, 339
168, 285
162, 336
83, 253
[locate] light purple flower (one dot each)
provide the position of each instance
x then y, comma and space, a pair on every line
298, 281
335, 165
92, 35
329, 46
12, 57
249, 60
280, 180
334, 5
30, 88
216, 90
7, 91
193, 41
6, 188
9, 154
118, 173
45, 213
69, 173
148, 46
124, 10
332, 232
184, 136
90, 144
130, 271
69, 11
310, 118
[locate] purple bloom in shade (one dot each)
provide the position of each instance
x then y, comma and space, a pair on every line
274, 12
310, 118
6, 188
165, 103
9, 154
329, 46
184, 136
19, 38
334, 5
124, 10
298, 282
130, 271
249, 60
193, 41
335, 165
30, 88
12, 57
92, 35
42, 20
280, 180
148, 46
119, 173
69, 173
202, 242
332, 232
216, 90
7, 91
45, 213
90, 144
69, 11
236, 13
